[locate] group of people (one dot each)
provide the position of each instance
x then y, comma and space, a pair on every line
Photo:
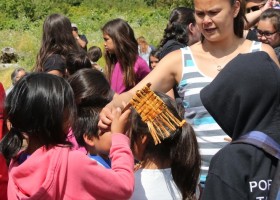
82, 144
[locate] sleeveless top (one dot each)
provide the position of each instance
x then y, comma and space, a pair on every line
209, 134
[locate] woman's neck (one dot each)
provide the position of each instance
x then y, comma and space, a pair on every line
226, 46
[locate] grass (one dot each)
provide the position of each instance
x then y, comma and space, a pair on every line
145, 22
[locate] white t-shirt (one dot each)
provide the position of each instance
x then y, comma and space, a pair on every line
155, 184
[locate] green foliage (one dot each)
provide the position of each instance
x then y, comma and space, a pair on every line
21, 22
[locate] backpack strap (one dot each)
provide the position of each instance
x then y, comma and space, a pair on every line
261, 140
270, 146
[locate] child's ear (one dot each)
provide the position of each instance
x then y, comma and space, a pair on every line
88, 140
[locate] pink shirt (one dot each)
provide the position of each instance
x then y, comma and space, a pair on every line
59, 173
141, 70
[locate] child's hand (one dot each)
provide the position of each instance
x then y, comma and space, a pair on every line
119, 120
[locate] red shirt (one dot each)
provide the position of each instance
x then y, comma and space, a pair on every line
2, 99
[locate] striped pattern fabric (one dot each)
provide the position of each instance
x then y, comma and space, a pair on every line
210, 136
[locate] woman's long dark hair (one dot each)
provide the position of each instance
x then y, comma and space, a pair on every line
126, 51
181, 149
42, 107
57, 39
177, 27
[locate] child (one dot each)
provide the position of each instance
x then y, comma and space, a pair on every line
124, 67
244, 100
75, 61
41, 108
154, 58
57, 42
170, 169
94, 54
92, 92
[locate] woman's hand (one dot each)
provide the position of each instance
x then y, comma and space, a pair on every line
105, 117
119, 122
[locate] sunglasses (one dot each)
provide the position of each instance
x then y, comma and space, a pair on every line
254, 8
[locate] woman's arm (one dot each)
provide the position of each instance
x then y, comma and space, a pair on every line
253, 17
167, 73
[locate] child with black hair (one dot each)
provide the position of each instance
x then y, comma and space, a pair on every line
170, 169
92, 92
124, 67
75, 61
94, 54
41, 108
154, 58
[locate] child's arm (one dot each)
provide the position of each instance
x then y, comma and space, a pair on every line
101, 183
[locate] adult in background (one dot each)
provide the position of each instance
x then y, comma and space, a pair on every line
181, 31
57, 42
144, 49
81, 39
17, 74
254, 8
268, 30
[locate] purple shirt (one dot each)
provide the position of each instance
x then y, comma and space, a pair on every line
141, 69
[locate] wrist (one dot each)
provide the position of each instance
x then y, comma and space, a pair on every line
77, 38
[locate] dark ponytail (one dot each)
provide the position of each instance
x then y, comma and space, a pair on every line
11, 143
185, 161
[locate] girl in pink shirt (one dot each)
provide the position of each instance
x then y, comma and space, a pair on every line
41, 109
124, 67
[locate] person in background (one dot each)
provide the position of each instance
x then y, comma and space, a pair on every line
76, 61
180, 31
144, 49
94, 54
268, 30
17, 74
154, 58
92, 92
124, 67
248, 111
57, 43
170, 169
254, 8
81, 39
41, 109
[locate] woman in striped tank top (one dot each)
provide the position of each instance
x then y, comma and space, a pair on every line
221, 23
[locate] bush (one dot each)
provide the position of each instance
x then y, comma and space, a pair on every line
21, 22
